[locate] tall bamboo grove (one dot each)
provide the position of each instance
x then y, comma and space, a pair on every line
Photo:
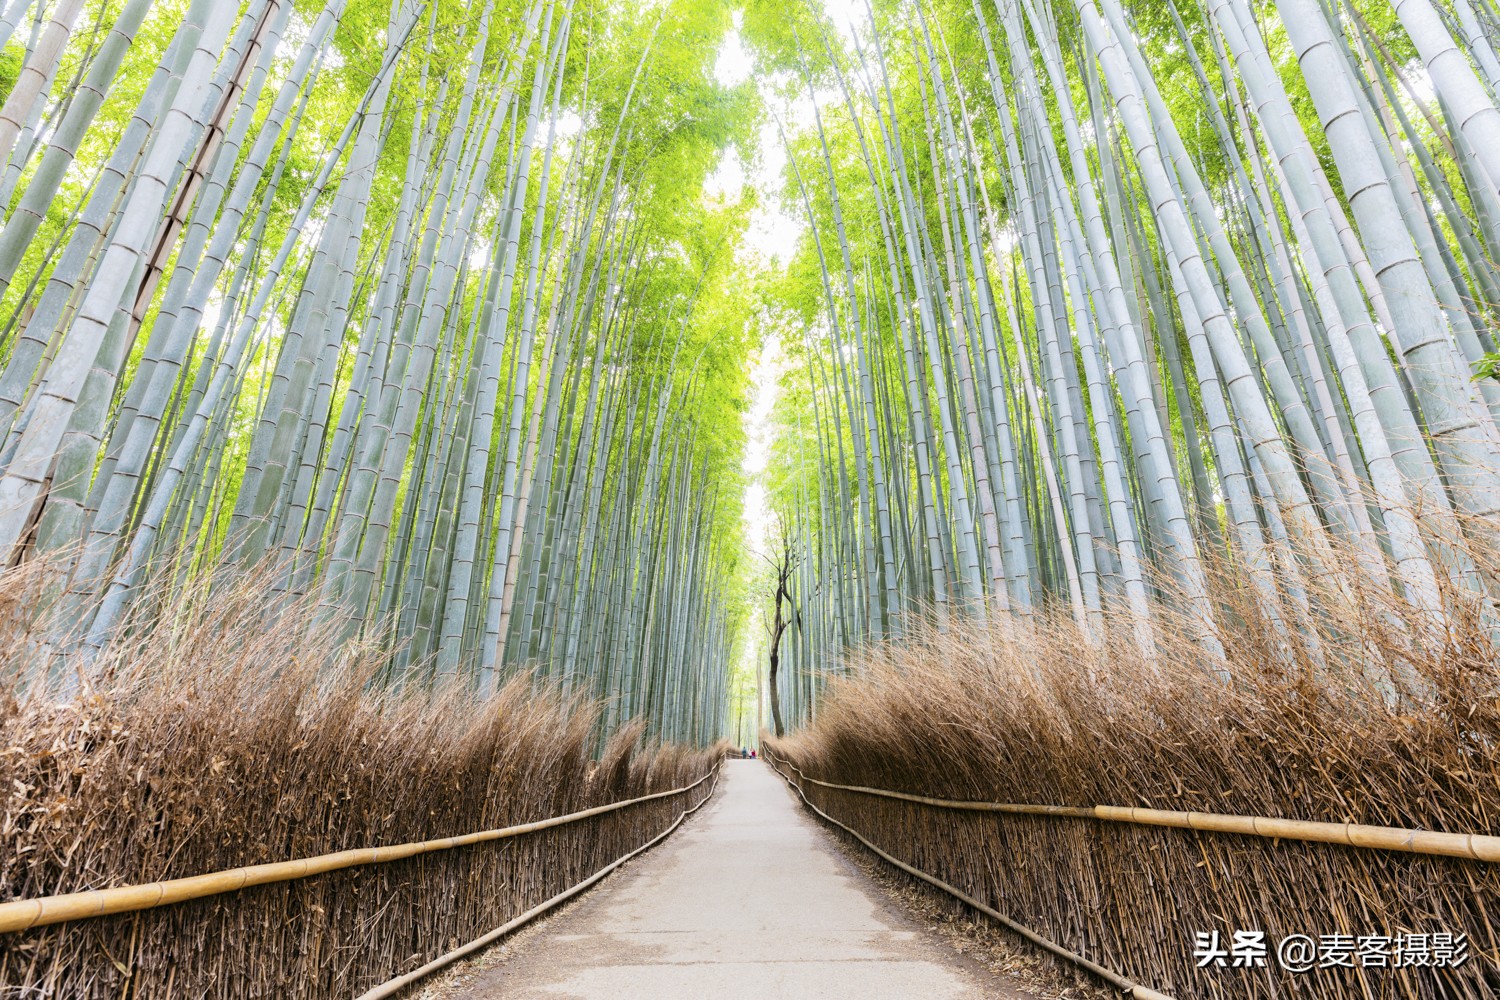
421, 304
417, 302
1099, 301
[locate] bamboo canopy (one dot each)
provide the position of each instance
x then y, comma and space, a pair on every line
1100, 304
1145, 342
421, 304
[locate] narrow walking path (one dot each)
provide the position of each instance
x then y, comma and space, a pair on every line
751, 901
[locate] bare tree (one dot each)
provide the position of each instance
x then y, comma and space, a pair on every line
785, 615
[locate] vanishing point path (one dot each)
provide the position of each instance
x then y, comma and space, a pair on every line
750, 900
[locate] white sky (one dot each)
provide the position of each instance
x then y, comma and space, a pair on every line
774, 228
773, 232
763, 378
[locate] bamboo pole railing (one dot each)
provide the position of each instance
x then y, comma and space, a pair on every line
392, 987
1124, 984
1472, 846
23, 914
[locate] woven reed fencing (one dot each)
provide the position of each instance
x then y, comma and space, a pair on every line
915, 829
1119, 808
339, 931
1128, 896
231, 742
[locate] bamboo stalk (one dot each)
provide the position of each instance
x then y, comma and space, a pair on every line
23, 914
1473, 846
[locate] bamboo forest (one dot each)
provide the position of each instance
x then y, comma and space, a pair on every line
1006, 493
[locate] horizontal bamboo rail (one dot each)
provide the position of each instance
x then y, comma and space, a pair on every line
1472, 846
23, 914
1126, 986
395, 986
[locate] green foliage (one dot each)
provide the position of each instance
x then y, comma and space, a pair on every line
12, 57
1489, 367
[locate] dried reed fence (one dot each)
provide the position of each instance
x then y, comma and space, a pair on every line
229, 739
1032, 713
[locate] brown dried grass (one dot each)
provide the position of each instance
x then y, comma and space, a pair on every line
1033, 712
235, 732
